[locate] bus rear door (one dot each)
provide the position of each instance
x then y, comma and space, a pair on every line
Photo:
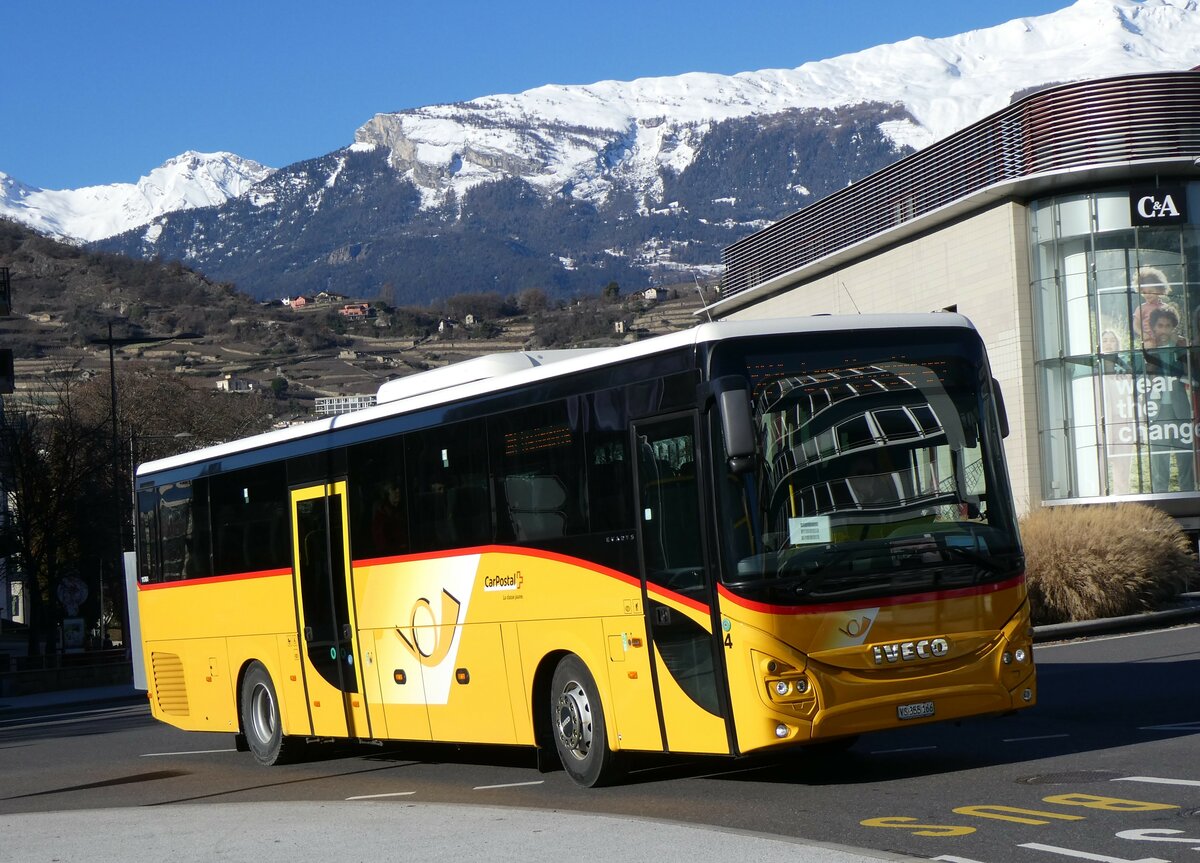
325, 612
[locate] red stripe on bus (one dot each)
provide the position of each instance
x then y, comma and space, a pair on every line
544, 555
216, 579
880, 602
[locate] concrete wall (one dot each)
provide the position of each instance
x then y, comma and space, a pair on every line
979, 264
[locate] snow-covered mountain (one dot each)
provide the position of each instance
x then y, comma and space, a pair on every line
611, 135
94, 212
569, 187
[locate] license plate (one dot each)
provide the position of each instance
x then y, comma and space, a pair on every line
915, 711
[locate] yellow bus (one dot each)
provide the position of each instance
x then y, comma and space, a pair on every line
745, 537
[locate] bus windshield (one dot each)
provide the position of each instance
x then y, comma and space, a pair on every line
877, 475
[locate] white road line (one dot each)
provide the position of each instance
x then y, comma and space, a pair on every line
186, 752
377, 796
42, 722
1084, 855
909, 749
131, 708
945, 858
1158, 780
507, 785
1038, 737
1178, 726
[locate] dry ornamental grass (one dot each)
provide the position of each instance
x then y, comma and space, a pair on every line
1090, 562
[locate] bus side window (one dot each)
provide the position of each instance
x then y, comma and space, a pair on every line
610, 484
148, 551
249, 516
378, 499
539, 474
450, 506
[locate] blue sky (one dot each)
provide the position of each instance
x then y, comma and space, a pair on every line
101, 92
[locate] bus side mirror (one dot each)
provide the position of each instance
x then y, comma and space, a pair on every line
1001, 413
737, 423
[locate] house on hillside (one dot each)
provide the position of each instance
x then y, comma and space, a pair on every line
297, 302
655, 295
356, 310
326, 297
231, 383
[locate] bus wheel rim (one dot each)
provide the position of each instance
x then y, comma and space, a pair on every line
262, 713
575, 720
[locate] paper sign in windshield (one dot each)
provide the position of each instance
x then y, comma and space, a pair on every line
807, 531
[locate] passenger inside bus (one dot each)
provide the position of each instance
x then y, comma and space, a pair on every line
389, 522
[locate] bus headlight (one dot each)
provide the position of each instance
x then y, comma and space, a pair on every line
1020, 655
789, 690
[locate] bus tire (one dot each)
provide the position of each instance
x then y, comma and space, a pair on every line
577, 724
261, 721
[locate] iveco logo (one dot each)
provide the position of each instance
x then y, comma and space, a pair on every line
907, 651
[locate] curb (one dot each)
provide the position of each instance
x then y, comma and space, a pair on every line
1127, 623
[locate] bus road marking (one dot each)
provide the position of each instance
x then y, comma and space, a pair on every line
1036, 737
187, 752
1158, 780
508, 785
1157, 834
377, 796
907, 749
1084, 855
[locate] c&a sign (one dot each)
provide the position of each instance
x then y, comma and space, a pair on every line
1158, 205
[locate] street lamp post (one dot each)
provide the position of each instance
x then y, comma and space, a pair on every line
116, 485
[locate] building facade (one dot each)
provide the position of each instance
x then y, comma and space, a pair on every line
331, 405
1067, 227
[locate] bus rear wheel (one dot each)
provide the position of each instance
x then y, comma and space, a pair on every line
261, 722
577, 723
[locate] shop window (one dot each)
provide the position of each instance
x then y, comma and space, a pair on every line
1117, 312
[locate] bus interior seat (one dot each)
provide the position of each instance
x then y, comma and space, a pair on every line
536, 506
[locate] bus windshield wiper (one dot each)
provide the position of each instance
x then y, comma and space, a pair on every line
981, 560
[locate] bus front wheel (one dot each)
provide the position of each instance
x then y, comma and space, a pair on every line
577, 722
261, 723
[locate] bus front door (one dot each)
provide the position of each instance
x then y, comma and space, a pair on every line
678, 587
326, 618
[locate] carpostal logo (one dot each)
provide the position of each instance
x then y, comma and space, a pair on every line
512, 581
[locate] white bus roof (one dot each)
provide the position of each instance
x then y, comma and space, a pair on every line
468, 371
502, 371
